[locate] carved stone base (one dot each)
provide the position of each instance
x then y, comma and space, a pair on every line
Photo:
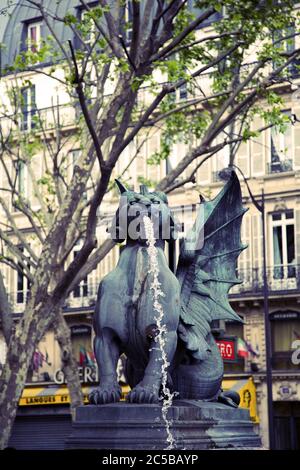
194, 425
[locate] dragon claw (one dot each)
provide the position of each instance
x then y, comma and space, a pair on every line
105, 394
143, 394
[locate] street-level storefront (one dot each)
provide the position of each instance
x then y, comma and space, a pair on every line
286, 409
54, 395
286, 406
287, 425
41, 427
43, 420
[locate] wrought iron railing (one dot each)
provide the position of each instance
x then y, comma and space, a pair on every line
62, 115
280, 279
83, 296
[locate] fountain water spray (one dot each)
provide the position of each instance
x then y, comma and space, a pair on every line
161, 327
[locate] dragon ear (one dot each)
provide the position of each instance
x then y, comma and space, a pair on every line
144, 190
121, 186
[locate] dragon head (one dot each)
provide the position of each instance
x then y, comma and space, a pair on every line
133, 207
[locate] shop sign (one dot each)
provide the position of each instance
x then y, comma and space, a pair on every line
227, 348
57, 399
80, 330
86, 375
285, 315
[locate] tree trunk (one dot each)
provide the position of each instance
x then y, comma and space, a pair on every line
69, 365
5, 312
12, 382
29, 331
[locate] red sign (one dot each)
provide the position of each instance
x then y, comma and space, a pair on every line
227, 349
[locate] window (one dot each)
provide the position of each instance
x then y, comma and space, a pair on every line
20, 286
286, 424
283, 241
28, 108
22, 178
183, 92
81, 336
34, 36
284, 333
23, 285
281, 148
82, 289
128, 20
287, 45
180, 94
88, 28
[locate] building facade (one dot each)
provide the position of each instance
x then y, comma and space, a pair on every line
270, 162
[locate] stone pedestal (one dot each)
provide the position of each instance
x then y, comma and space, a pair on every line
194, 425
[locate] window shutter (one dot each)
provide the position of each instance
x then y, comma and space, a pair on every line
141, 156
32, 97
93, 281
296, 138
4, 184
24, 109
173, 157
36, 170
204, 172
257, 240
181, 150
125, 158
44, 31
244, 259
98, 273
140, 164
297, 229
219, 161
242, 157
153, 171
6, 272
258, 149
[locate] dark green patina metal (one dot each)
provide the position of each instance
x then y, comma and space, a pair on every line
196, 296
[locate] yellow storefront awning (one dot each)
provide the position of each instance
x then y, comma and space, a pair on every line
59, 395
247, 391
54, 395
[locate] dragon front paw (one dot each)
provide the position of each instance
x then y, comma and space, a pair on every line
143, 394
105, 394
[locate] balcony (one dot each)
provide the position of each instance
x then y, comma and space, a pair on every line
83, 297
48, 119
280, 166
281, 280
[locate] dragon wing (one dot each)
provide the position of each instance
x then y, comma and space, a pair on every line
206, 273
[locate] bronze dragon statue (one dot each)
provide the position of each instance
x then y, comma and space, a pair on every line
124, 319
